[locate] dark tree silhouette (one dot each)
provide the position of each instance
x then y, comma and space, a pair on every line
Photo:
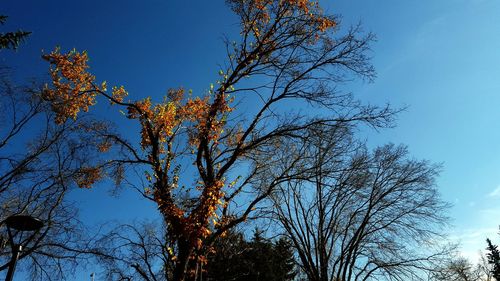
11, 40
258, 259
493, 255
357, 214
39, 163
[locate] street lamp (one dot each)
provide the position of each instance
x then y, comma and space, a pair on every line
19, 223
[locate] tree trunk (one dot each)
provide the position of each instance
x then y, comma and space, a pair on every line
181, 270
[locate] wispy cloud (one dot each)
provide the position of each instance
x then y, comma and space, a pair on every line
472, 241
495, 193
473, 234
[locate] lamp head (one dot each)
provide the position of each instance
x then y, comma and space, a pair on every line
24, 223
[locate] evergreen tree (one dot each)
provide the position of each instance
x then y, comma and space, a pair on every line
258, 259
493, 256
11, 40
285, 266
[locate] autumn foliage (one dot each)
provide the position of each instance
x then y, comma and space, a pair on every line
73, 90
270, 30
73, 86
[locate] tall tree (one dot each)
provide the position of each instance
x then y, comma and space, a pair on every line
287, 52
359, 215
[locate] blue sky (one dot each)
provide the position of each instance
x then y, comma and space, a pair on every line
440, 58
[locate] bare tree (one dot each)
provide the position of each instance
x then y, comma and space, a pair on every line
39, 162
456, 267
360, 215
133, 252
461, 269
484, 268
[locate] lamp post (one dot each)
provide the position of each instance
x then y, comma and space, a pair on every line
19, 223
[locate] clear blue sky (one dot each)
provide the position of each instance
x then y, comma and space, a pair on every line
441, 58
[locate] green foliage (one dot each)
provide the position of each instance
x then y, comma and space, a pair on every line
11, 40
259, 259
493, 256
